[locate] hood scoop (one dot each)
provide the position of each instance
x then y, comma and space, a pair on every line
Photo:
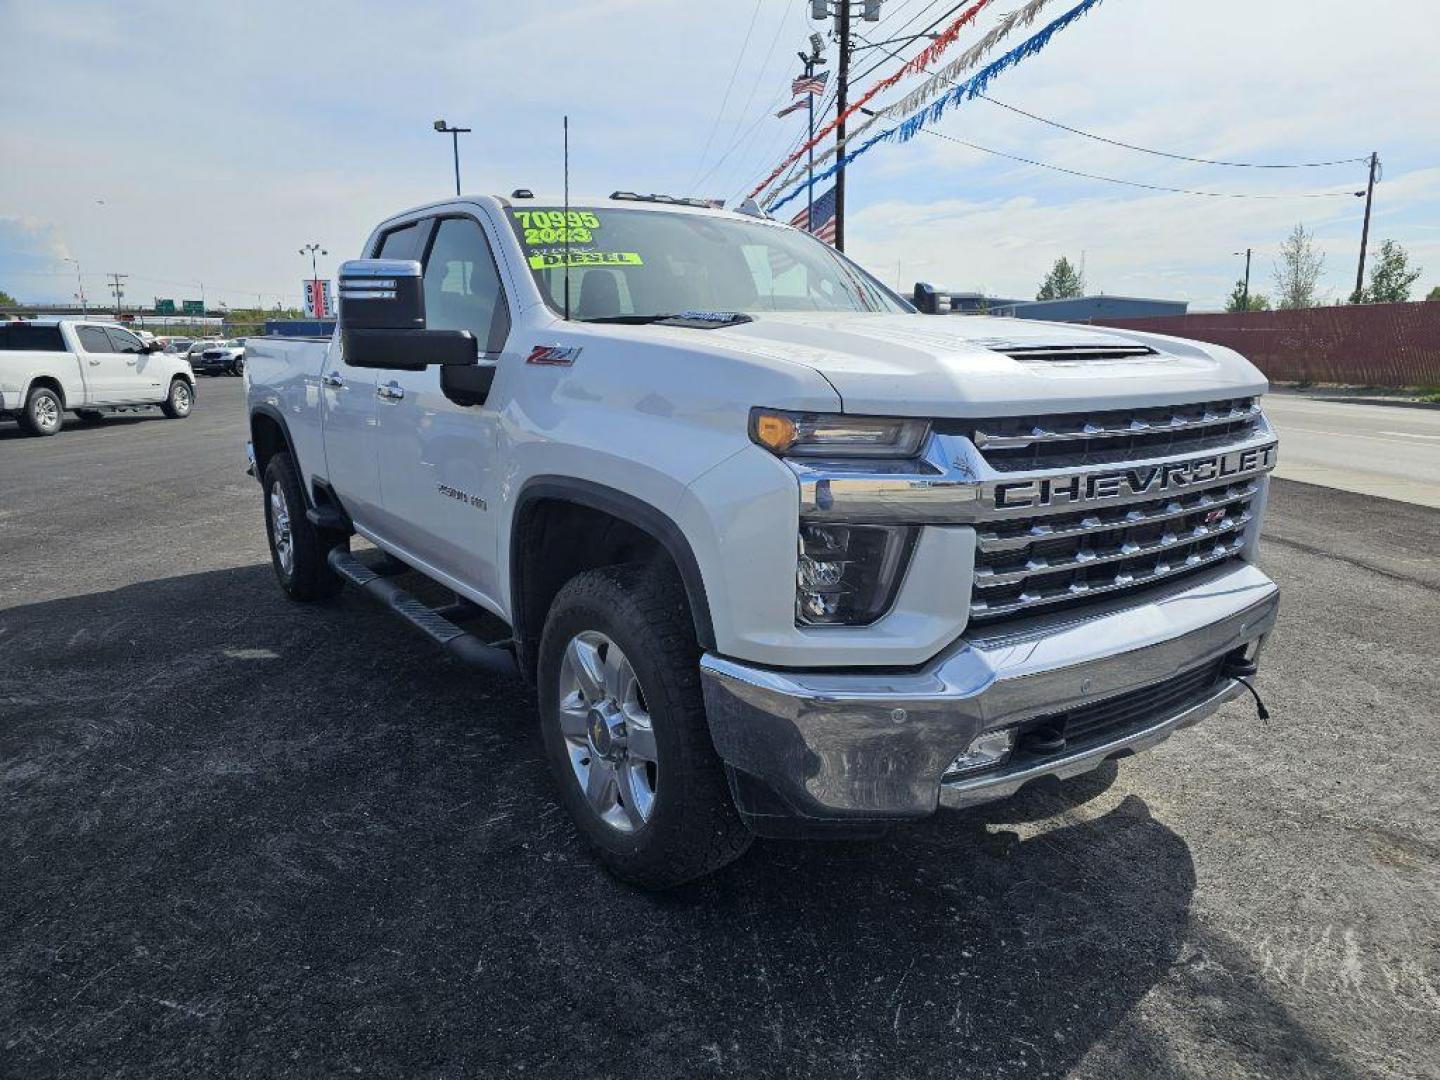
1071, 354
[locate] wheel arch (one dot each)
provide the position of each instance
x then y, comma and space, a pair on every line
270, 435
48, 382
535, 581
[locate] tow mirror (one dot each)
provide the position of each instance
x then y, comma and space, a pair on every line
382, 320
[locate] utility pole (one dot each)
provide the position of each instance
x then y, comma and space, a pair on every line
842, 94
1365, 232
870, 12
1245, 293
119, 290
454, 133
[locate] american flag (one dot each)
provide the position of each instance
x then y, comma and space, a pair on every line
799, 103
809, 84
824, 224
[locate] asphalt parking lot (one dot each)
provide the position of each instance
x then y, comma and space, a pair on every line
240, 836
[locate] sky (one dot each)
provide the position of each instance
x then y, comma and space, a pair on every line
199, 145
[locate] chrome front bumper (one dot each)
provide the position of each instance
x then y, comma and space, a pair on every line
874, 746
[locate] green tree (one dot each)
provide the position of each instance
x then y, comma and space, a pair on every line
1238, 301
1062, 282
6, 300
1434, 293
1390, 277
1297, 274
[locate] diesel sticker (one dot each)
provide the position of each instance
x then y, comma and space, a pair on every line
1084, 488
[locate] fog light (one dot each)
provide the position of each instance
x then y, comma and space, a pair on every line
847, 575
986, 751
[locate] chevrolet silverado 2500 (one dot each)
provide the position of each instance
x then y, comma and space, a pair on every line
48, 366
781, 555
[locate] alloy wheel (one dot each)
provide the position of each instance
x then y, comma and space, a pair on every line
608, 733
280, 529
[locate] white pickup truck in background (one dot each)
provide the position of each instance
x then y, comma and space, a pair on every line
49, 366
781, 555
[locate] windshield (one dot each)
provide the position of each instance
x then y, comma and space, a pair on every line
631, 264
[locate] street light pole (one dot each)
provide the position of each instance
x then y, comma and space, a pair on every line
454, 133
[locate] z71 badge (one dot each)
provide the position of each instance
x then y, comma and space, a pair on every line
554, 355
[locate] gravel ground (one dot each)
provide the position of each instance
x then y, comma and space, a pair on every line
242, 837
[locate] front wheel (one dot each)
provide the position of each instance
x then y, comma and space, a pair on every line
238, 367
625, 732
298, 549
179, 401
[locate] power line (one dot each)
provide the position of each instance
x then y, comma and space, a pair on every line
725, 100
1164, 154
1148, 187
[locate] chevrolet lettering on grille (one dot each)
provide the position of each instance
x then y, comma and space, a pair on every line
1082, 489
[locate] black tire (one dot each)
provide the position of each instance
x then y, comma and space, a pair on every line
238, 367
44, 412
693, 828
179, 400
90, 416
307, 576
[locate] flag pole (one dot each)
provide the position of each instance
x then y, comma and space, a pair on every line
810, 187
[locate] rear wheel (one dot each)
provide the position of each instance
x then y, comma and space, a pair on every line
43, 413
179, 401
298, 549
625, 731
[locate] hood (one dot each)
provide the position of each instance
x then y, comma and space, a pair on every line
953, 365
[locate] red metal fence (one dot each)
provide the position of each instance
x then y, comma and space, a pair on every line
1396, 345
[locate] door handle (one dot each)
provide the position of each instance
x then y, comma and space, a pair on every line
333, 378
390, 391
94, 363
131, 363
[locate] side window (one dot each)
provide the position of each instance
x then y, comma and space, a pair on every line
402, 243
462, 286
24, 336
93, 339
124, 341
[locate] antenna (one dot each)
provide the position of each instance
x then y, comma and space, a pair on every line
566, 227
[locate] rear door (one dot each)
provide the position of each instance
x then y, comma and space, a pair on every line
438, 473
142, 372
107, 373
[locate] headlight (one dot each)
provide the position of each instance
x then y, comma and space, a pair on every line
790, 434
847, 575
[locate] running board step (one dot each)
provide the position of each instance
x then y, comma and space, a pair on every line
461, 644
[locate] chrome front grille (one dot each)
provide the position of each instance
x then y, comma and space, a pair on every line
1049, 441
1068, 559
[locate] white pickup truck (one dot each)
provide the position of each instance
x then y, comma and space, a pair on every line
781, 555
91, 368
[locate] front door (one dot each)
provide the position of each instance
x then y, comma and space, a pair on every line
438, 473
141, 372
107, 372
